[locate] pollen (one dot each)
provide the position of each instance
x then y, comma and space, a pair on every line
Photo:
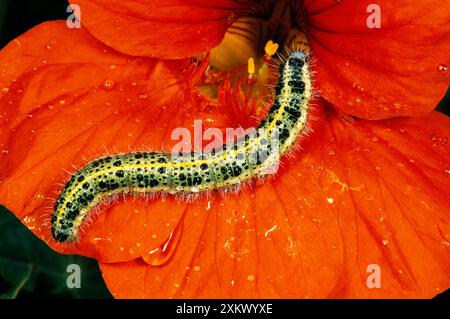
271, 48
251, 66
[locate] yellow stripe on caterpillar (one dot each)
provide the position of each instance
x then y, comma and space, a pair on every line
253, 155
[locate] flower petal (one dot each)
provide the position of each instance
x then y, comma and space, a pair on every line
61, 107
399, 69
169, 29
360, 193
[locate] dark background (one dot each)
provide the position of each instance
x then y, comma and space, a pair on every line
28, 267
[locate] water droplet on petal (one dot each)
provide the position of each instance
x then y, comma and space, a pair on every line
443, 68
159, 256
196, 268
5, 90
108, 84
250, 278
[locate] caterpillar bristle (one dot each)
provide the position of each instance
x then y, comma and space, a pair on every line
228, 169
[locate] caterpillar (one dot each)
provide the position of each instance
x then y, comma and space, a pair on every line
229, 165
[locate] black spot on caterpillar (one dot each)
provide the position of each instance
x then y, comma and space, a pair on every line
253, 155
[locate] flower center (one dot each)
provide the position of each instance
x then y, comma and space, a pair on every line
278, 20
239, 71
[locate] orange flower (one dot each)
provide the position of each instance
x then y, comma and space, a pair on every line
360, 192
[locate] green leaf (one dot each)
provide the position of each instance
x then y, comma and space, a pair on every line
12, 294
30, 269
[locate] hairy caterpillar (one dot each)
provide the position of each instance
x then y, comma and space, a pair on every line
229, 165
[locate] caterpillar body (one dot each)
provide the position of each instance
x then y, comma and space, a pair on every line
225, 166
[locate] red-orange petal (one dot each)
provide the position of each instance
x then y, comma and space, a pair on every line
61, 107
360, 193
168, 29
400, 69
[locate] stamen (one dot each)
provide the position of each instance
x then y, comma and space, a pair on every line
251, 72
271, 48
251, 67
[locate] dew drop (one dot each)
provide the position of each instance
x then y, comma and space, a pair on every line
161, 255
250, 278
196, 268
443, 68
5, 90
108, 84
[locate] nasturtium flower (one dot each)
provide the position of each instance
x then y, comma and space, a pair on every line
369, 186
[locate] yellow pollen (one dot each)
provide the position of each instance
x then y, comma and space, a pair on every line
271, 48
251, 66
